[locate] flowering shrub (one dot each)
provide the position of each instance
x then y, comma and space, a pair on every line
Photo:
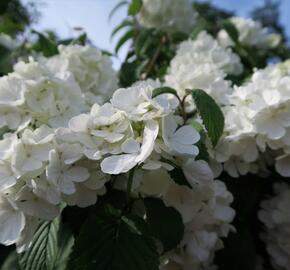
167, 164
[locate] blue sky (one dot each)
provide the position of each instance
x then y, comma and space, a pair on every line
92, 15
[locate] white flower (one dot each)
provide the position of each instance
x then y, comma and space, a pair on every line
275, 216
154, 183
282, 166
134, 153
12, 221
169, 15
197, 171
63, 175
91, 69
33, 95
31, 151
7, 177
251, 33
138, 103
207, 216
203, 63
181, 140
34, 206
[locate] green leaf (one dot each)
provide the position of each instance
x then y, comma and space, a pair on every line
231, 30
11, 262
81, 40
164, 90
122, 25
178, 177
211, 114
112, 241
135, 7
165, 223
45, 45
50, 249
126, 37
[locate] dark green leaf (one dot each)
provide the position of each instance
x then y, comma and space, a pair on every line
135, 7
50, 248
122, 25
11, 262
165, 223
126, 37
210, 113
178, 177
45, 45
81, 40
164, 90
231, 30
112, 241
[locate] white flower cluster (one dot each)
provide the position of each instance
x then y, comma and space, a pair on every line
32, 95
51, 91
203, 63
169, 15
207, 215
257, 124
44, 168
275, 216
91, 69
251, 33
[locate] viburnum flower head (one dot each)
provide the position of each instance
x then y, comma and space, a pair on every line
91, 69
251, 33
202, 63
169, 16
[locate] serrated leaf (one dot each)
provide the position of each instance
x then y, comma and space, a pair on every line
50, 248
164, 90
211, 114
135, 7
126, 37
112, 241
165, 223
119, 27
231, 30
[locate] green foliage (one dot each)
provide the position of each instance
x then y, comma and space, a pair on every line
45, 45
165, 223
164, 90
135, 7
125, 38
231, 30
15, 17
210, 113
117, 241
50, 248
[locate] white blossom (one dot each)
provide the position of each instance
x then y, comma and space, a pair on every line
170, 15
251, 33
275, 216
